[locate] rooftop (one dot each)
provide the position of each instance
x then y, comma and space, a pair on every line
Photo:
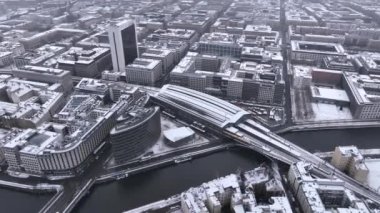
132, 119
174, 32
44, 70
115, 25
318, 47
78, 55
362, 87
258, 28
314, 190
219, 38
329, 94
371, 60
94, 85
4, 54
157, 52
144, 63
42, 54
54, 31
201, 105
178, 133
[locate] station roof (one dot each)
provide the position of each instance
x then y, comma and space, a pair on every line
205, 107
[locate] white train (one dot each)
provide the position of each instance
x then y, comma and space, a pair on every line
257, 125
254, 133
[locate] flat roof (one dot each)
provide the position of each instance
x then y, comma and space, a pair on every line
43, 70
133, 119
259, 28
157, 52
357, 84
145, 63
120, 24
317, 47
219, 38
329, 94
177, 134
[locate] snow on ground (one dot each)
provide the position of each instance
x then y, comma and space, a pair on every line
374, 173
305, 110
323, 112
169, 123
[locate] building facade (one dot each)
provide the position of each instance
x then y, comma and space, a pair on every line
144, 71
123, 43
132, 136
349, 159
364, 94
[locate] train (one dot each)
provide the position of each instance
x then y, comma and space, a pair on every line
235, 133
252, 132
257, 125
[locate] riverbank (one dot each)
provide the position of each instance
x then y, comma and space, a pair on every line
119, 175
141, 185
151, 186
328, 125
42, 187
162, 163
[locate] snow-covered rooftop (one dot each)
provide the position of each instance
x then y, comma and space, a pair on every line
205, 107
178, 133
329, 94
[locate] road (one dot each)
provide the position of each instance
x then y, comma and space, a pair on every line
285, 66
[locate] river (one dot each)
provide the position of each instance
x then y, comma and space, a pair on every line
327, 140
162, 183
19, 201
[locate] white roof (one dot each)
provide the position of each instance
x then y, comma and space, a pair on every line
329, 94
178, 133
205, 107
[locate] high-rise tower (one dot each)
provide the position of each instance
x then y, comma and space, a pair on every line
123, 42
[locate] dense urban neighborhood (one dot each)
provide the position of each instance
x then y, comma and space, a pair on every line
190, 106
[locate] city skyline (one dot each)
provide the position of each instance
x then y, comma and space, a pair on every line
190, 106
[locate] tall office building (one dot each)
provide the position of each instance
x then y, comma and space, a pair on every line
123, 42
